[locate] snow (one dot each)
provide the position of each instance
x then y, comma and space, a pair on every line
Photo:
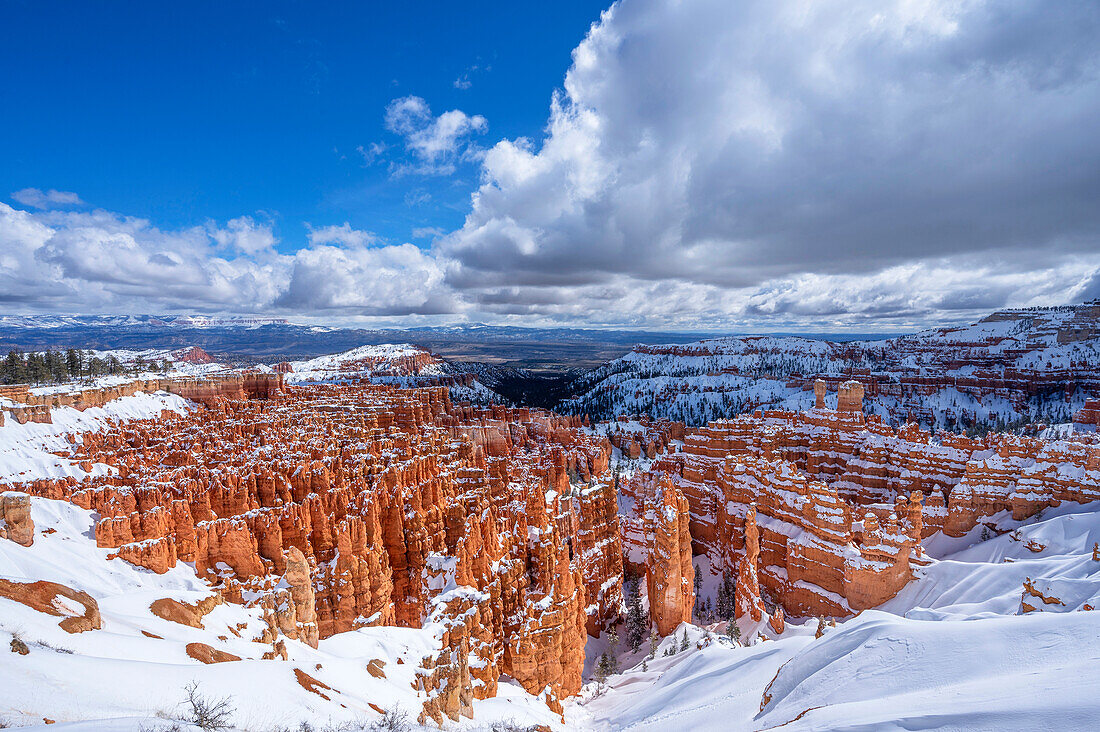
118, 678
26, 450
952, 651
949, 652
338, 366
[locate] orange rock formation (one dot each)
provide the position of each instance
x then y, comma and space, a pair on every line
336, 507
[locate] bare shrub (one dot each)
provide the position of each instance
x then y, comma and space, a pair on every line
207, 713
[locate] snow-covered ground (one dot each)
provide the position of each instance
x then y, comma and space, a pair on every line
951, 651
362, 361
132, 672
721, 377
386, 364
27, 451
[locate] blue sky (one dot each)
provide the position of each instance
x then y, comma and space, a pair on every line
723, 165
183, 112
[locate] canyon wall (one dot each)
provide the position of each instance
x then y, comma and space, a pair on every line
371, 505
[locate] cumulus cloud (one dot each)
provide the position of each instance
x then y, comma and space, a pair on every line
46, 199
435, 143
245, 235
391, 281
343, 234
878, 164
800, 160
99, 262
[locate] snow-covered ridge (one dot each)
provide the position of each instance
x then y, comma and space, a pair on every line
1032, 365
131, 674
33, 450
398, 364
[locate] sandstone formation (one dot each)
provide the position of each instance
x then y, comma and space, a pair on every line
44, 597
670, 574
505, 531
15, 518
747, 589
337, 507
208, 654
34, 405
1012, 365
841, 500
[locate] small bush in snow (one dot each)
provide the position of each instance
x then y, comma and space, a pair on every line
205, 713
393, 719
509, 726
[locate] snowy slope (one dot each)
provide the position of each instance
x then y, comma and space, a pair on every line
27, 450
364, 361
120, 672
400, 365
950, 652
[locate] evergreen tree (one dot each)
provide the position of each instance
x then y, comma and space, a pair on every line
684, 641
603, 671
698, 609
74, 360
726, 601
613, 649
654, 641
636, 620
15, 368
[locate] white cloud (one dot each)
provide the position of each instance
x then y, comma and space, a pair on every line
343, 235
245, 235
46, 199
428, 232
879, 164
788, 160
101, 262
372, 152
435, 143
391, 281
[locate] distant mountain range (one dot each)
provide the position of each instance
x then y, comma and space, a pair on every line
274, 339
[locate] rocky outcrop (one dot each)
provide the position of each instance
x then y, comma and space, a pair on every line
670, 574
747, 590
326, 507
46, 597
208, 654
1012, 365
184, 613
296, 608
16, 523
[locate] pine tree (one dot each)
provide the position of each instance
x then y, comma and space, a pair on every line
613, 649
603, 671
726, 601
654, 641
698, 595
684, 641
635, 616
733, 631
74, 359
